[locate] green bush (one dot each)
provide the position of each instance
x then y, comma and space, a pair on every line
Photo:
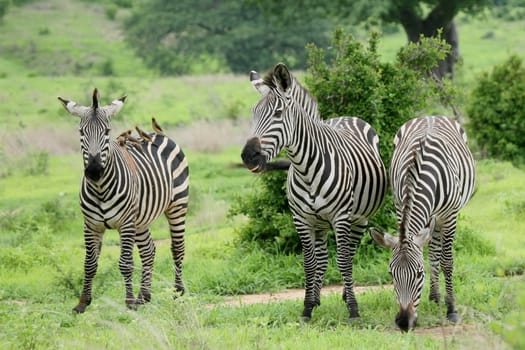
350, 79
496, 111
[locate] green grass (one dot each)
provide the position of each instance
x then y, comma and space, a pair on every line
57, 37
495, 209
32, 102
41, 254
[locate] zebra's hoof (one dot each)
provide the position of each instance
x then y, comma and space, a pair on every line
304, 319
131, 304
354, 320
453, 317
80, 308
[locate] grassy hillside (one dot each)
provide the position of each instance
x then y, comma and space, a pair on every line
61, 37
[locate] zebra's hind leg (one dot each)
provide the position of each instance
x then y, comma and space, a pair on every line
447, 266
93, 242
176, 216
146, 248
348, 239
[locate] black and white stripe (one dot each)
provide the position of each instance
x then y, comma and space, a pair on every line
336, 179
126, 187
433, 176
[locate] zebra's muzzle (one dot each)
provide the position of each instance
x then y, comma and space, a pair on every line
94, 169
406, 319
252, 157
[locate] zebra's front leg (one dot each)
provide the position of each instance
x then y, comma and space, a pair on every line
146, 248
348, 239
93, 243
447, 266
434, 257
321, 254
310, 265
127, 241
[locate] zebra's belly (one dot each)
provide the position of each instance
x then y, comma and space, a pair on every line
318, 210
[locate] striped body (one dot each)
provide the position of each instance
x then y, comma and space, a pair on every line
126, 186
432, 175
139, 184
336, 179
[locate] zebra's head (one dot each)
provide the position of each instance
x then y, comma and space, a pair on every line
408, 272
94, 130
271, 120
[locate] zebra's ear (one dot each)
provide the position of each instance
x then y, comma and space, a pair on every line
423, 237
74, 108
115, 106
283, 78
258, 83
384, 239
425, 234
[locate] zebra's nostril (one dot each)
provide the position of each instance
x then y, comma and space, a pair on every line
94, 169
251, 153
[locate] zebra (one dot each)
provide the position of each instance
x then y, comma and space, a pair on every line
432, 175
336, 179
127, 185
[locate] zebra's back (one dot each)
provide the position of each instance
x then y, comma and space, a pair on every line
439, 146
163, 177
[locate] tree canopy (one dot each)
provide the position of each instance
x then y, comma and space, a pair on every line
170, 34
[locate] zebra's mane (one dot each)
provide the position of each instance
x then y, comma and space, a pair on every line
409, 189
300, 94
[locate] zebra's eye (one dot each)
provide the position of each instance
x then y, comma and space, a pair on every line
420, 274
278, 114
106, 132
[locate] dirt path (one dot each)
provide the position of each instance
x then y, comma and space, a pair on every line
446, 332
298, 293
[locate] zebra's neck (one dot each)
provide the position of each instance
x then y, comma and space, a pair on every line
119, 164
309, 139
303, 98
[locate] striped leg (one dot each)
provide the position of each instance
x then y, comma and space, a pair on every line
93, 242
146, 248
447, 266
434, 256
127, 241
321, 253
348, 238
176, 216
310, 266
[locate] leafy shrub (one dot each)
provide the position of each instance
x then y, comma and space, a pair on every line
497, 111
350, 79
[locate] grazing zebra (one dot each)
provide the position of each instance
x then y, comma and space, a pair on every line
336, 178
127, 185
432, 175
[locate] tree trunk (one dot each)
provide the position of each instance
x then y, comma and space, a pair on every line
441, 17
